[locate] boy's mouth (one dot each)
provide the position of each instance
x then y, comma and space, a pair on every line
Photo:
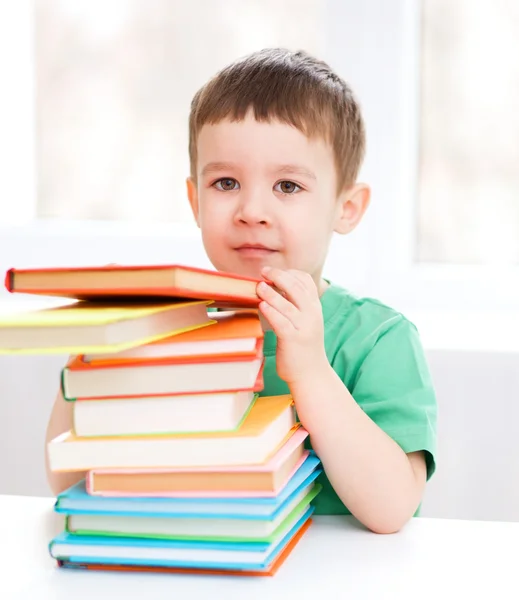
255, 250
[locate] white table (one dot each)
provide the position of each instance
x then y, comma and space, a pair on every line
429, 558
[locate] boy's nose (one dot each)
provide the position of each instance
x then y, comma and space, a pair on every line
252, 211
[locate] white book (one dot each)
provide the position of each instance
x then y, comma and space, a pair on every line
265, 428
161, 414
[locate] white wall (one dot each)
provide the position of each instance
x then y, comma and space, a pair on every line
478, 459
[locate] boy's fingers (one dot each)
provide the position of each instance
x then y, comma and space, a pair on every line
290, 285
279, 302
279, 323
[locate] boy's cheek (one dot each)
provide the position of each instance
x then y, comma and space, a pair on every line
215, 219
212, 234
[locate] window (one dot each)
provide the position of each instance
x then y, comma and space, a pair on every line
114, 84
106, 87
468, 209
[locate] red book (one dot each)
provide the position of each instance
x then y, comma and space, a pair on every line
162, 377
235, 333
152, 281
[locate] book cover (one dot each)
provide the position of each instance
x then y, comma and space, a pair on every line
90, 327
263, 480
234, 333
76, 500
109, 281
162, 377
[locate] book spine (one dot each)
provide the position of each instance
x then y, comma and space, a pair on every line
9, 280
62, 386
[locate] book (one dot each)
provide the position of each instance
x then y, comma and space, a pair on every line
210, 412
172, 553
89, 327
193, 529
267, 426
76, 500
268, 570
110, 281
163, 377
233, 333
265, 480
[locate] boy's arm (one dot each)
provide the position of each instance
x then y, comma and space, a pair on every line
59, 422
379, 483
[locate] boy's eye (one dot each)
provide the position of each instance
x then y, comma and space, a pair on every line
227, 184
287, 187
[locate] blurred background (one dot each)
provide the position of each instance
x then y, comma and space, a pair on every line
93, 160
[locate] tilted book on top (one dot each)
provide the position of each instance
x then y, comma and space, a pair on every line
115, 281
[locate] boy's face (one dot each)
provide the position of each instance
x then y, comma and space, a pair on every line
265, 196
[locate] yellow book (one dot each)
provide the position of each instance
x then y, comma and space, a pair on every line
97, 326
268, 424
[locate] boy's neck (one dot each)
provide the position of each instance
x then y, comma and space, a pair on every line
323, 286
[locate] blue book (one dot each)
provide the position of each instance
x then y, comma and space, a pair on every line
168, 553
192, 528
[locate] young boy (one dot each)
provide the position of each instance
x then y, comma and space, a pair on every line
276, 141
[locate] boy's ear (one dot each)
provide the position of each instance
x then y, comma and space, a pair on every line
352, 204
192, 194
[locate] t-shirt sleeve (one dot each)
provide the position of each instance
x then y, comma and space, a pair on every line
394, 388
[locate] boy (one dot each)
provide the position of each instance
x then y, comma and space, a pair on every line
276, 141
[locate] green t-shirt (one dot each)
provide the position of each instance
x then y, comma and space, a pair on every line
377, 353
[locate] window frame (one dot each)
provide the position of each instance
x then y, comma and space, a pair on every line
376, 46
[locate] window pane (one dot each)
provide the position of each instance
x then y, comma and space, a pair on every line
469, 163
114, 84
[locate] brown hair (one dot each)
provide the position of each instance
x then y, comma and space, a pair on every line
292, 87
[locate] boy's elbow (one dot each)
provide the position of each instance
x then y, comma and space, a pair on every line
397, 514
388, 523
385, 528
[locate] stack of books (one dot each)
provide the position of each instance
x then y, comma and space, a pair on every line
188, 468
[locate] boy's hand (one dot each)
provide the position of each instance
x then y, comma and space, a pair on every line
296, 317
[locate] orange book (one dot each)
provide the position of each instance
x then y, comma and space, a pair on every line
264, 481
193, 375
269, 423
233, 333
111, 281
